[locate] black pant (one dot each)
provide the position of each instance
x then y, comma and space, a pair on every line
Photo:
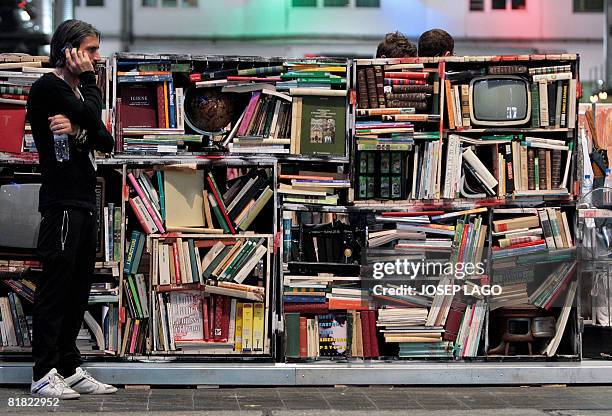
67, 247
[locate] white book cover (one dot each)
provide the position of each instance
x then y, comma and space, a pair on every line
186, 315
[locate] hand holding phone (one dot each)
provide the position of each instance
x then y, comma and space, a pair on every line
77, 61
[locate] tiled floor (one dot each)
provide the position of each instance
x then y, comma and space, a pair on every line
284, 401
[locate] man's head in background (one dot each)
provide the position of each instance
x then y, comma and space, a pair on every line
436, 42
396, 45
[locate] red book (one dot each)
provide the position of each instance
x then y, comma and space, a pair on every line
12, 126
365, 332
401, 81
134, 335
14, 96
139, 105
453, 323
561, 288
373, 334
303, 337
217, 195
141, 220
205, 319
225, 318
211, 316
407, 75
311, 308
177, 265
410, 213
146, 202
161, 106
463, 241
526, 244
248, 114
219, 307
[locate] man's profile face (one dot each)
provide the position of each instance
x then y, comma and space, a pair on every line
91, 46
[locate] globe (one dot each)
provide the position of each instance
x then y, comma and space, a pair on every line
207, 110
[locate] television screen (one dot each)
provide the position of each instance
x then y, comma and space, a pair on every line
19, 217
499, 101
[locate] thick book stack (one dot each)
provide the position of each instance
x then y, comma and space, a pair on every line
309, 187
407, 327
103, 292
14, 328
530, 231
191, 322
459, 236
150, 115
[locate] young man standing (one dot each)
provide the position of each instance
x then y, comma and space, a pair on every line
64, 109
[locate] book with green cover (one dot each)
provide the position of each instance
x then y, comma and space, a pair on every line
192, 259
244, 250
135, 297
160, 187
323, 126
256, 209
215, 209
292, 335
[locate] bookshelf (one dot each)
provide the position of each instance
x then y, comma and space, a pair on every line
319, 192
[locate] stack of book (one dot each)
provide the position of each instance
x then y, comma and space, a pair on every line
550, 289
103, 292
542, 230
307, 187
553, 97
149, 117
112, 232
194, 322
470, 330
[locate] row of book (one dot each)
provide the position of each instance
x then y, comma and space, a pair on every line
112, 232
541, 230
192, 322
506, 165
334, 334
226, 264
15, 326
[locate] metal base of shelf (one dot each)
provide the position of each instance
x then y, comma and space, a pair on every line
326, 374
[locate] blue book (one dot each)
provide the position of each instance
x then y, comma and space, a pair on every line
171, 104
131, 249
162, 202
304, 299
144, 78
137, 253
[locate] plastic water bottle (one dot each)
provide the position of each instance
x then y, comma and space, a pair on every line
62, 147
587, 184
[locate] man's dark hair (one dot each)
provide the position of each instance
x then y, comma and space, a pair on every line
69, 32
436, 42
396, 45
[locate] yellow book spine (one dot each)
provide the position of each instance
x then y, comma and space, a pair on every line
247, 327
258, 326
238, 332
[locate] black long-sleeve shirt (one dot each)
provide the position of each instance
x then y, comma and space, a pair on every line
69, 183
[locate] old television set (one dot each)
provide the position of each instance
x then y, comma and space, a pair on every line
499, 101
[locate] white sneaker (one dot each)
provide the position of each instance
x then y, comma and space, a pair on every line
82, 382
53, 385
